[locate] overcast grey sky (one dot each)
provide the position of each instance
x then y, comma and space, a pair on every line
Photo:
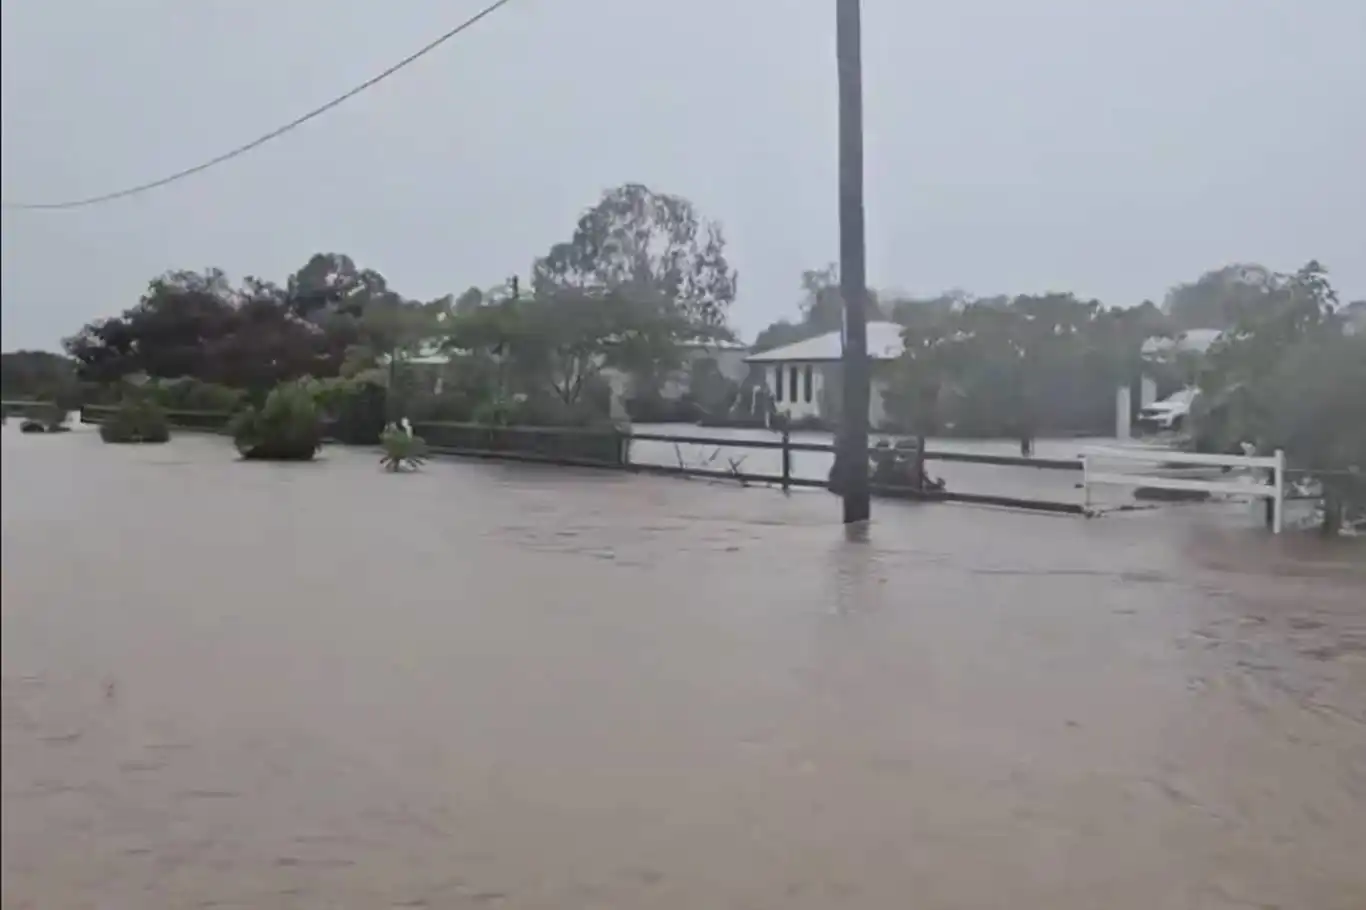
1111, 147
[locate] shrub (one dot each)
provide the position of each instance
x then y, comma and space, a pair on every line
288, 426
658, 409
136, 420
494, 412
190, 394
353, 409
549, 411
45, 419
402, 450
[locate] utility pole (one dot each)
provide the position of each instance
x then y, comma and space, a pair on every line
853, 441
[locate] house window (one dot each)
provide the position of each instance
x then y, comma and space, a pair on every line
792, 384
806, 383
778, 382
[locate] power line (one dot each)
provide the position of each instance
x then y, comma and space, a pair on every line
273, 134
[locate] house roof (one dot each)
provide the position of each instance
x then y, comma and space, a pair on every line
718, 344
434, 352
884, 343
1197, 341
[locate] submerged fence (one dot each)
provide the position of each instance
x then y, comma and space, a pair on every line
25, 407
1262, 477
1068, 486
776, 461
768, 459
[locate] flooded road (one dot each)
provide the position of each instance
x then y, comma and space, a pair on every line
235, 685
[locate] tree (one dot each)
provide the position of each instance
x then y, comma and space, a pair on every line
1288, 375
780, 334
558, 342
821, 307
915, 311
1312, 407
328, 315
470, 300
642, 262
927, 372
38, 376
1003, 367
165, 335
358, 304
646, 243
1217, 298
1292, 307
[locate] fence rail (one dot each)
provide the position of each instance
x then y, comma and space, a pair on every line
207, 421
613, 448
618, 449
786, 478
19, 407
1161, 459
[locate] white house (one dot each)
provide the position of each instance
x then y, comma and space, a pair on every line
803, 379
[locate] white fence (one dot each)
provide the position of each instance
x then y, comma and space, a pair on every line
1160, 458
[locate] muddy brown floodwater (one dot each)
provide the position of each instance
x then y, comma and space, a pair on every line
318, 686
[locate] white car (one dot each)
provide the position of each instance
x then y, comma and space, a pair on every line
1168, 414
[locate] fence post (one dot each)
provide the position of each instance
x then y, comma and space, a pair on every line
1278, 486
1086, 483
787, 460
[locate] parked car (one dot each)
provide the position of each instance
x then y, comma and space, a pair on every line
1167, 415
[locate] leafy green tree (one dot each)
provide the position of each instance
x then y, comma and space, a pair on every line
1006, 367
925, 376
38, 376
780, 334
1295, 306
821, 308
558, 342
1288, 375
1311, 405
1218, 298
328, 316
648, 244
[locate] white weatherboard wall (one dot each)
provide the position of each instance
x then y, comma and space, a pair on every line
786, 378
821, 355
820, 405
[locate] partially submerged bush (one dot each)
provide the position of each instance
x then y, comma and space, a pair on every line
288, 426
402, 450
48, 419
136, 420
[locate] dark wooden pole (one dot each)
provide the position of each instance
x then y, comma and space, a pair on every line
853, 444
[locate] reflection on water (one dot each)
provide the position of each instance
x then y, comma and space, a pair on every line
483, 685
